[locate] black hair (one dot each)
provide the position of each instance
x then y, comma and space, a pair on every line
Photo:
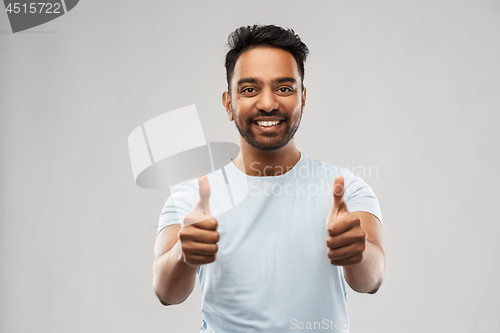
245, 38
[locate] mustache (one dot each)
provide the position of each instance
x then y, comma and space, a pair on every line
263, 114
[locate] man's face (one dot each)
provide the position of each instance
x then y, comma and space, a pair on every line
266, 98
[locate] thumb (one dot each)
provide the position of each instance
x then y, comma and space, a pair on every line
338, 196
204, 191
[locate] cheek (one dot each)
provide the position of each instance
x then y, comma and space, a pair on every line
245, 103
243, 108
293, 104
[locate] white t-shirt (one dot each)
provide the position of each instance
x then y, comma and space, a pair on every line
272, 272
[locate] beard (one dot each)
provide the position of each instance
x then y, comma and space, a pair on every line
267, 142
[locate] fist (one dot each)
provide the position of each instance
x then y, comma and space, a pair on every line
346, 240
198, 235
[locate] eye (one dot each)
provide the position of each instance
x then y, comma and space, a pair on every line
248, 90
285, 90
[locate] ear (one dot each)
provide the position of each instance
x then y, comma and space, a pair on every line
303, 98
226, 101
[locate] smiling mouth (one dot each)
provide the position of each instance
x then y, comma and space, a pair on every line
268, 123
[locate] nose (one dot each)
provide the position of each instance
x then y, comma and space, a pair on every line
267, 101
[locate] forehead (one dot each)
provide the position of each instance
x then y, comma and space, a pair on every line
265, 63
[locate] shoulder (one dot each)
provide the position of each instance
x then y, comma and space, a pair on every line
358, 195
326, 173
187, 191
185, 195
191, 184
322, 169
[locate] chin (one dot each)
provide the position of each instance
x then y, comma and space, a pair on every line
268, 146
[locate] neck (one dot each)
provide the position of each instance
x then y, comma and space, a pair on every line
255, 162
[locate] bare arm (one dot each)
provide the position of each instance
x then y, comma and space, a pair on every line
367, 276
355, 242
179, 251
173, 279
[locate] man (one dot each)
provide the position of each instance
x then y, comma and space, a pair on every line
267, 264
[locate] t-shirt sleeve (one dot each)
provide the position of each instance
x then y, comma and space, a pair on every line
359, 196
181, 202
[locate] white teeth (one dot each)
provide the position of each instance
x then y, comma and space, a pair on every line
268, 123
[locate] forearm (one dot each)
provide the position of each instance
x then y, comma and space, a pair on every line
367, 276
173, 278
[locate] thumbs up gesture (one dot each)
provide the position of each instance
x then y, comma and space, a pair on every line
346, 240
198, 235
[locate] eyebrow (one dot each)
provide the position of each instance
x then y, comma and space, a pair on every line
284, 79
247, 80
254, 80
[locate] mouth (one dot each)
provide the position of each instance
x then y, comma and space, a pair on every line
267, 123
268, 126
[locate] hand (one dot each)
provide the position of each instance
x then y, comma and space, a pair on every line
198, 235
346, 238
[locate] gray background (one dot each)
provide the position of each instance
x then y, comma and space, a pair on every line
409, 87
